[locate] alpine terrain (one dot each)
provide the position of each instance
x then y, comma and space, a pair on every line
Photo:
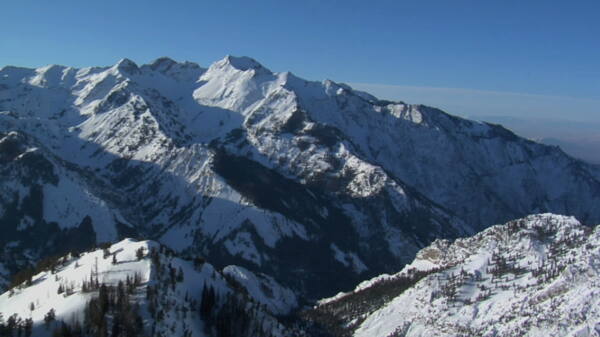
536, 276
304, 187
141, 288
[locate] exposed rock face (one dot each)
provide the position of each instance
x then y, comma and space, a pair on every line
536, 276
299, 180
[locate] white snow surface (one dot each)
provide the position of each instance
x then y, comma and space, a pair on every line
43, 292
67, 198
552, 287
141, 142
278, 299
348, 259
73, 271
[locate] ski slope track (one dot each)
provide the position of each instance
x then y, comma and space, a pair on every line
313, 184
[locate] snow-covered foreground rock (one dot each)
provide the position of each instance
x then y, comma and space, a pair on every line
313, 184
536, 276
144, 287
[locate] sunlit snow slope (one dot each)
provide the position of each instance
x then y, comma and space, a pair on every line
315, 184
536, 276
166, 291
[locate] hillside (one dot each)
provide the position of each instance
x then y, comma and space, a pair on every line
142, 289
314, 184
536, 276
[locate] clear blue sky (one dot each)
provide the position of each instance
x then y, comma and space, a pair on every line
548, 48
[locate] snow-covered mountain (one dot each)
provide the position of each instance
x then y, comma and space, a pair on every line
314, 184
536, 276
47, 207
145, 289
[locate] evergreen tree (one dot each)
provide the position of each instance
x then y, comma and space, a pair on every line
28, 327
49, 317
207, 303
105, 253
139, 253
116, 328
62, 331
180, 275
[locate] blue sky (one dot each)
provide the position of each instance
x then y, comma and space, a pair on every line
417, 51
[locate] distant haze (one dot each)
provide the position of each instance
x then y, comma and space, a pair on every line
569, 122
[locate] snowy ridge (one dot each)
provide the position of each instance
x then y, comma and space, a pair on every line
46, 204
536, 276
74, 272
250, 167
166, 290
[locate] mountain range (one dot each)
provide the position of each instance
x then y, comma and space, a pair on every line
313, 185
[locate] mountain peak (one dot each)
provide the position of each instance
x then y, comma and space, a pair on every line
236, 162
126, 66
162, 63
242, 63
